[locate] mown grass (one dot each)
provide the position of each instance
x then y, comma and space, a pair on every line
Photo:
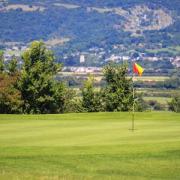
90, 146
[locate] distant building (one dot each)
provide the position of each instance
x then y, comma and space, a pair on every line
82, 69
117, 58
176, 61
114, 58
82, 59
125, 58
14, 51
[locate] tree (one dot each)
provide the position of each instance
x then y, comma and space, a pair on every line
140, 104
174, 105
12, 66
118, 94
91, 100
40, 92
155, 105
10, 97
1, 61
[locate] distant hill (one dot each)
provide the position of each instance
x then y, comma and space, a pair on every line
69, 26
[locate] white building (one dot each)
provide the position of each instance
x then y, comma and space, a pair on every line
125, 58
176, 61
82, 58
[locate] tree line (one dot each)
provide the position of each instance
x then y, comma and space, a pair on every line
33, 88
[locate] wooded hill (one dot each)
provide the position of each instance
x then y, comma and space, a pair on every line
71, 26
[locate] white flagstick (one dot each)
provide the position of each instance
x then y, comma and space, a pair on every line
133, 113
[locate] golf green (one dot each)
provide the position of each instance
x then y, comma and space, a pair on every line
90, 146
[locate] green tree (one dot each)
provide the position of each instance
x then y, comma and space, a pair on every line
1, 61
174, 105
91, 100
140, 104
75, 106
118, 93
40, 92
12, 66
10, 97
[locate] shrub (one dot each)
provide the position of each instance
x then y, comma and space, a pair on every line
174, 105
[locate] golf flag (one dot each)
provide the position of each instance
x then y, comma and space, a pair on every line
137, 69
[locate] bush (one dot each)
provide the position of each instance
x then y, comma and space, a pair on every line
174, 105
75, 106
91, 100
155, 105
140, 104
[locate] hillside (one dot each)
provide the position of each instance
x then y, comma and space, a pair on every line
110, 27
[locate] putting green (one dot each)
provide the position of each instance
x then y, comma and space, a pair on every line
90, 146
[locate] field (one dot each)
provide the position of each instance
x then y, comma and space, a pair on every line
90, 146
173, 50
161, 100
98, 76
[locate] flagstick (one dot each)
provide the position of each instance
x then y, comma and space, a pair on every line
139, 70
133, 113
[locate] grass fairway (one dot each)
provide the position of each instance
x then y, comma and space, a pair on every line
90, 146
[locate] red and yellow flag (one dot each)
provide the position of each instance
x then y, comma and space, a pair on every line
138, 69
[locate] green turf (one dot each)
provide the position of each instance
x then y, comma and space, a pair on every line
90, 146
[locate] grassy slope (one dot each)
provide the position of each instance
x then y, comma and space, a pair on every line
90, 146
